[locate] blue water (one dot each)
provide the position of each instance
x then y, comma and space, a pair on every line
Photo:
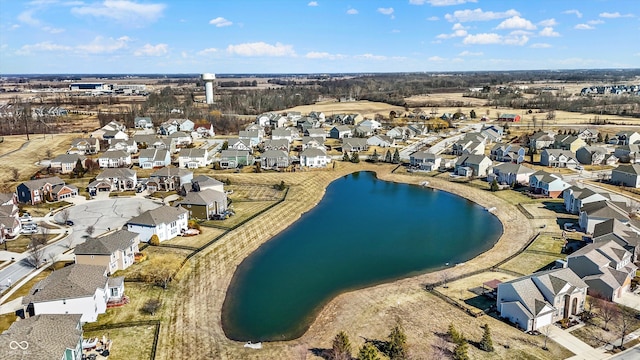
365, 231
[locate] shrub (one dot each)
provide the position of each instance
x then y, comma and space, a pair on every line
151, 306
155, 240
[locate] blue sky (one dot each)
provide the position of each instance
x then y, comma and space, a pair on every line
323, 36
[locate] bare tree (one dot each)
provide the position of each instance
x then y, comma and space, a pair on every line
64, 215
90, 230
546, 331
608, 311
15, 174
36, 254
444, 278
625, 323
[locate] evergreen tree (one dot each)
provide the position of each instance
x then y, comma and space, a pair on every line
225, 145
397, 344
368, 352
454, 335
396, 157
355, 157
606, 138
472, 114
486, 344
387, 157
461, 352
374, 157
599, 138
79, 169
345, 157
494, 185
341, 347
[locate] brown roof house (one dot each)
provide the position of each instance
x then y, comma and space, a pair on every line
45, 189
46, 336
116, 250
75, 289
204, 204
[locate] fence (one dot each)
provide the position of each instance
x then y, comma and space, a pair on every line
156, 332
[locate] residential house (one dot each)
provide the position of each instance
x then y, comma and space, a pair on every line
381, 141
510, 173
280, 144
239, 144
472, 165
600, 211
46, 336
568, 142
373, 124
508, 153
314, 157
115, 251
231, 159
627, 175
60, 192
625, 138
317, 115
200, 183
541, 139
315, 142
154, 158
204, 204
424, 160
74, 289
293, 116
130, 146
509, 117
316, 133
204, 131
418, 129
168, 179
66, 163
606, 267
354, 144
345, 119
401, 133
264, 119
84, 146
272, 120
492, 134
628, 153
468, 146
576, 197
589, 135
340, 132
193, 158
116, 179
542, 298
253, 136
153, 142
558, 158
172, 125
114, 135
180, 139
624, 234
256, 127
551, 185
37, 191
114, 159
591, 155
114, 126
143, 122
274, 159
10, 224
166, 222
362, 131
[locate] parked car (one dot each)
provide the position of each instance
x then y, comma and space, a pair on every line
25, 217
28, 231
69, 223
570, 226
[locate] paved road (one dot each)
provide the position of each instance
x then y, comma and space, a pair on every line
631, 354
111, 213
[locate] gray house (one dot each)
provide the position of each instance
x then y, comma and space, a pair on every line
627, 175
472, 165
274, 159
340, 132
624, 235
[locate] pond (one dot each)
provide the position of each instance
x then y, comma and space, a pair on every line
364, 232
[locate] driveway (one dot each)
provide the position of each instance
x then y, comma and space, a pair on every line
630, 299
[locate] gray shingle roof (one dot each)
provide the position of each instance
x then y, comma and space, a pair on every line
204, 197
39, 183
161, 215
171, 172
106, 245
72, 281
48, 336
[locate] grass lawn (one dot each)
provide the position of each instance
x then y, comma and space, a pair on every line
634, 193
128, 343
252, 192
206, 234
134, 271
18, 244
468, 291
529, 262
243, 210
43, 209
548, 243
593, 332
138, 294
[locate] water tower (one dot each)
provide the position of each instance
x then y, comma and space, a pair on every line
208, 86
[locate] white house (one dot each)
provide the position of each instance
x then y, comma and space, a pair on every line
193, 158
551, 185
253, 136
128, 145
600, 211
314, 157
154, 158
558, 158
381, 140
167, 222
576, 197
425, 160
542, 298
113, 159
75, 289
509, 173
284, 133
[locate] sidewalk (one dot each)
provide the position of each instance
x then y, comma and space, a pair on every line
581, 350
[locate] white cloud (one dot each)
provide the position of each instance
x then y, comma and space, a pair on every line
220, 22
614, 15
207, 51
469, 53
436, 58
123, 11
52, 30
14, 26
574, 12
540, 46
493, 38
516, 22
101, 45
433, 18
27, 18
548, 22
479, 15
184, 54
371, 57
323, 55
152, 50
548, 31
441, 2
583, 27
352, 12
595, 22
386, 11
458, 31
312, 3
42, 46
261, 49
